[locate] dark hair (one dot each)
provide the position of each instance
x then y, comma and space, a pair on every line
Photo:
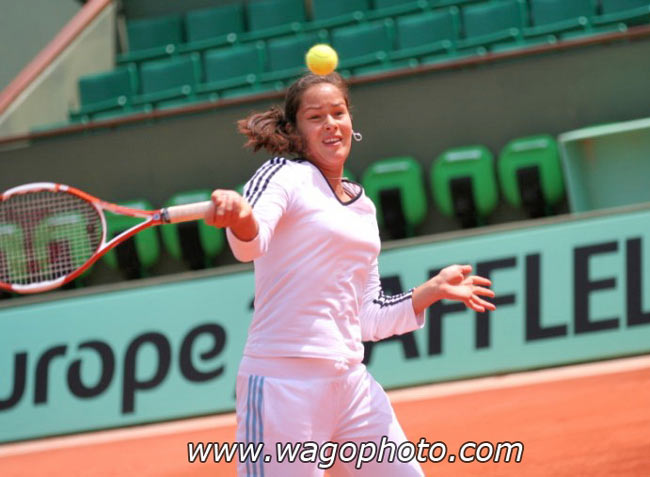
275, 129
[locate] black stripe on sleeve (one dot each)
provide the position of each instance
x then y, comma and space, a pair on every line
382, 300
253, 184
265, 179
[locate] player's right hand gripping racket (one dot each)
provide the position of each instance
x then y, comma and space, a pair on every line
51, 233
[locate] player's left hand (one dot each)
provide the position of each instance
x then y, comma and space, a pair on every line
456, 283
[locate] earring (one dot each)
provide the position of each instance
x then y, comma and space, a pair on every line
357, 136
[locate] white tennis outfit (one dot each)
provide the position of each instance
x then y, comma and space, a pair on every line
317, 297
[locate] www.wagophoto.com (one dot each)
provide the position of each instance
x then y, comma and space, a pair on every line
359, 453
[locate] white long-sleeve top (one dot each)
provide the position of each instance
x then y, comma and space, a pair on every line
317, 288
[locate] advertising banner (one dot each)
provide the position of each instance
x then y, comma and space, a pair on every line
567, 292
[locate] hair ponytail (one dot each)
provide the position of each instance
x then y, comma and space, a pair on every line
271, 131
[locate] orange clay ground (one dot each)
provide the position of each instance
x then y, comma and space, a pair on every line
591, 420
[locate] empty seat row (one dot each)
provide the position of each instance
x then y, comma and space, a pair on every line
253, 20
217, 73
262, 19
244, 22
426, 37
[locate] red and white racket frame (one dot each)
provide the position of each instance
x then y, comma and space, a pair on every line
167, 215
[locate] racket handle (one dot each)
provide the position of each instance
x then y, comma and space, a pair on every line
185, 212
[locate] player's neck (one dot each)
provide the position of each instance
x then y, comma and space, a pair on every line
334, 178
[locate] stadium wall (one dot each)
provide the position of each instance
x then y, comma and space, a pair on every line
26, 27
53, 92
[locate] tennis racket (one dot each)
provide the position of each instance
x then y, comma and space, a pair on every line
51, 233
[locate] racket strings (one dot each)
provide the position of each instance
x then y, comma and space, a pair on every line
45, 235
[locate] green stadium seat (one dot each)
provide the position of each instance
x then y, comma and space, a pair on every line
392, 8
257, 88
152, 37
120, 113
213, 27
232, 67
286, 56
194, 243
630, 12
137, 255
615, 17
111, 90
559, 16
333, 13
184, 102
172, 78
491, 22
363, 44
451, 56
530, 174
425, 34
464, 185
530, 42
593, 30
406, 63
327, 9
271, 18
450, 3
396, 186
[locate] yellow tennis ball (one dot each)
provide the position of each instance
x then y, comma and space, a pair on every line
321, 59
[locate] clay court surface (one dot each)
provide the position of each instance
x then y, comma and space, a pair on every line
591, 420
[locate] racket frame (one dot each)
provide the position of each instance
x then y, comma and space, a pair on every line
151, 218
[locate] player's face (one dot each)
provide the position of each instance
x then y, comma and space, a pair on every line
324, 123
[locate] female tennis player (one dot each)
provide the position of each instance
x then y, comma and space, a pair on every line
313, 237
